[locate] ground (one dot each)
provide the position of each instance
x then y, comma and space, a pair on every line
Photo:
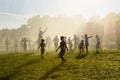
29, 66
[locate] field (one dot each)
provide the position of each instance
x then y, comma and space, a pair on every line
29, 66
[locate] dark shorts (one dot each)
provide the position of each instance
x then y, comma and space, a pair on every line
42, 51
81, 47
97, 45
62, 53
86, 44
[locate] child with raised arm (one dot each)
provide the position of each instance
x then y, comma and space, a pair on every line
42, 48
81, 46
86, 42
62, 48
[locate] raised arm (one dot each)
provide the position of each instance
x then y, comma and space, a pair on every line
82, 37
90, 36
44, 31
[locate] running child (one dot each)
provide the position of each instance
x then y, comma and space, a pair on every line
81, 46
62, 48
42, 48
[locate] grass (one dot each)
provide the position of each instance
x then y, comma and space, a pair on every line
29, 66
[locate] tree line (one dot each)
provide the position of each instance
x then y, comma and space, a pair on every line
107, 27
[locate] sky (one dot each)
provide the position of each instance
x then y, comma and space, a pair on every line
13, 13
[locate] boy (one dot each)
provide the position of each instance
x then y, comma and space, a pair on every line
42, 46
86, 42
62, 48
81, 46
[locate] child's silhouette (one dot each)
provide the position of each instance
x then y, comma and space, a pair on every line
42, 46
62, 48
81, 46
86, 42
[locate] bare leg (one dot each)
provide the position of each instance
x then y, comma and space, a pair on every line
62, 58
97, 48
79, 50
82, 50
42, 55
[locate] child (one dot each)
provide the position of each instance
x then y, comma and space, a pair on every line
56, 40
42, 46
81, 46
86, 42
70, 44
63, 48
97, 44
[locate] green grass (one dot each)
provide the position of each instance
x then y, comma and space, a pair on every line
29, 66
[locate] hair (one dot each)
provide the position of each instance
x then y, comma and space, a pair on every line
85, 34
62, 37
42, 40
96, 35
82, 40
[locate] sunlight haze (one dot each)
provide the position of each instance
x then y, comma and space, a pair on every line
17, 12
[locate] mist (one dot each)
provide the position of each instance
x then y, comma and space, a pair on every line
106, 27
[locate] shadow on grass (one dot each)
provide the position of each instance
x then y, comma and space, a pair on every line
44, 77
80, 56
17, 69
114, 60
117, 54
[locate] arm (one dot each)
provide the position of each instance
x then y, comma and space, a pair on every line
90, 36
66, 47
39, 47
44, 31
58, 48
82, 37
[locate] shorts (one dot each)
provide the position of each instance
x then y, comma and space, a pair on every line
86, 44
81, 47
42, 51
97, 45
62, 53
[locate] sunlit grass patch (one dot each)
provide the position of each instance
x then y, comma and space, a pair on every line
30, 66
